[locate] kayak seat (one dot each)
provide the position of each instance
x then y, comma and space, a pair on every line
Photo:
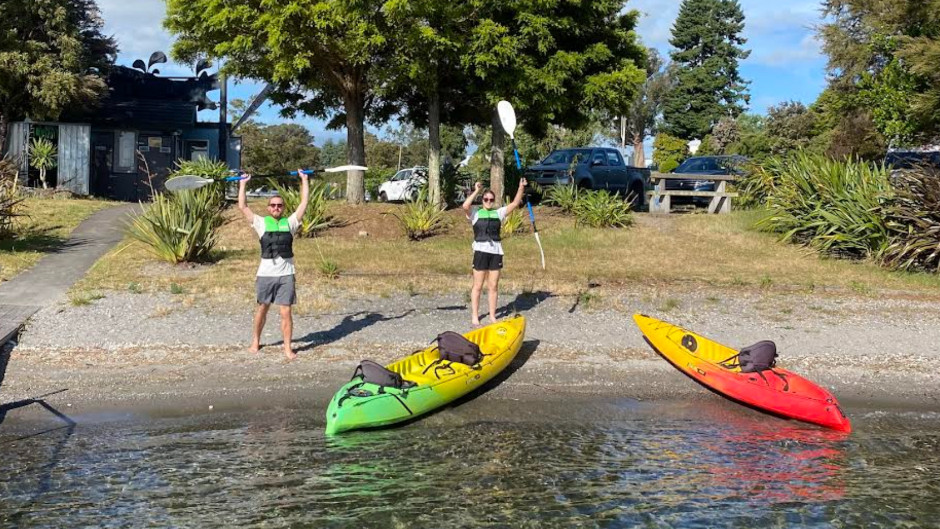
754, 358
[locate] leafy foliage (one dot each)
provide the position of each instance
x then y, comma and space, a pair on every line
833, 206
317, 216
10, 203
52, 55
913, 219
514, 223
277, 149
669, 152
205, 168
563, 197
641, 118
882, 62
708, 45
43, 155
420, 219
600, 209
180, 227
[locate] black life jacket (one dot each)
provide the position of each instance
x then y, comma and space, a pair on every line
277, 240
487, 227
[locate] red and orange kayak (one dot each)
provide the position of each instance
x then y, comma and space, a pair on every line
775, 391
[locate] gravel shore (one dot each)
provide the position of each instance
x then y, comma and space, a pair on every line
132, 351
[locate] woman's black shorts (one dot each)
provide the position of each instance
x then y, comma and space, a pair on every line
487, 261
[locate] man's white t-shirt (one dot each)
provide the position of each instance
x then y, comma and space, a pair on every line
489, 246
278, 266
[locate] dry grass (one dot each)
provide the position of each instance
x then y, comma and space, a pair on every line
717, 251
46, 226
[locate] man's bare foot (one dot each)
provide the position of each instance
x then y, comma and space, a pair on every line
254, 348
476, 323
291, 355
492, 319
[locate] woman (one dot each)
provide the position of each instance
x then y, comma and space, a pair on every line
487, 249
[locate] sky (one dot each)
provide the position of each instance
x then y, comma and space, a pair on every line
786, 61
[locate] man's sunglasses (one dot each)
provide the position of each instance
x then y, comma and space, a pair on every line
489, 200
275, 205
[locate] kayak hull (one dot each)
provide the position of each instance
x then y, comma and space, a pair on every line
362, 405
777, 391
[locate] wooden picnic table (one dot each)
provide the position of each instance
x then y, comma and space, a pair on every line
660, 198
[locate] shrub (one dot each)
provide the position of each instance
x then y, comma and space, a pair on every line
600, 209
564, 197
420, 218
669, 152
43, 155
10, 203
180, 227
833, 206
205, 168
514, 222
316, 217
913, 219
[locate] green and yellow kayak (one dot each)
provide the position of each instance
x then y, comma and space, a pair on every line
361, 404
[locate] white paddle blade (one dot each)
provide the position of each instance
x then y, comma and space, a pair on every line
507, 116
341, 168
184, 182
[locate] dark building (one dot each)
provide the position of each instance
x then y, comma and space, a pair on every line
145, 123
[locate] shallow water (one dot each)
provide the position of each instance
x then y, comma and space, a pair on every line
487, 463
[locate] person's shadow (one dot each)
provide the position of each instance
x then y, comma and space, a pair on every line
350, 324
524, 301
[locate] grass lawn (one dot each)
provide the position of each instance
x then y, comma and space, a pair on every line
373, 257
46, 226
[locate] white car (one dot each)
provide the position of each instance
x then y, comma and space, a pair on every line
404, 185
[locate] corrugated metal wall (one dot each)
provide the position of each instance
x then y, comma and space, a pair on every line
16, 142
74, 167
74, 157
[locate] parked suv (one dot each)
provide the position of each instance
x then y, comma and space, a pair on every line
404, 185
702, 165
591, 168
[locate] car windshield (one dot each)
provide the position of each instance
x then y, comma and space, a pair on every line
565, 156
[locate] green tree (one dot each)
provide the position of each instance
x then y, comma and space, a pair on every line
882, 66
791, 126
333, 153
52, 56
753, 141
641, 119
277, 149
708, 45
43, 155
554, 61
669, 152
321, 55
427, 75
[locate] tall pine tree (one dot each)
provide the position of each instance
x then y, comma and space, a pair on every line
708, 45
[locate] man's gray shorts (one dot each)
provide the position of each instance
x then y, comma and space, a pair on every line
278, 290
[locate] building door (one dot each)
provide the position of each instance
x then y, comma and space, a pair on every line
102, 152
160, 154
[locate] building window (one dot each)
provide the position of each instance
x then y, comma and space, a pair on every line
125, 161
198, 149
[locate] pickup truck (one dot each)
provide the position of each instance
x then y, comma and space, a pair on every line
591, 168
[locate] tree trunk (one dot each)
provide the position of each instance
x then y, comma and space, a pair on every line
497, 167
42, 178
639, 156
434, 160
355, 146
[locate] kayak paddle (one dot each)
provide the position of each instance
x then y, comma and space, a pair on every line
507, 116
188, 181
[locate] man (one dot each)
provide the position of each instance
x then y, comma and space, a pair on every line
275, 278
